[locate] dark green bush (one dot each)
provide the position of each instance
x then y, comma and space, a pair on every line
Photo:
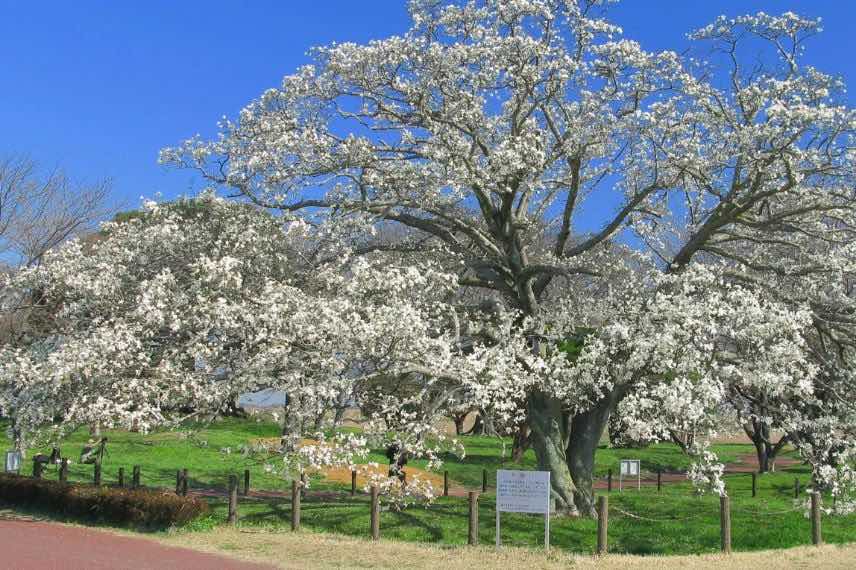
134, 507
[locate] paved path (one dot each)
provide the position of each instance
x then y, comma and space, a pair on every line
35, 545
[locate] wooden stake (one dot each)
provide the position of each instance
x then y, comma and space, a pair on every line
63, 470
178, 481
484, 480
725, 523
37, 470
353, 482
659, 479
121, 477
97, 476
602, 524
754, 484
473, 527
816, 534
375, 513
445, 483
246, 481
233, 499
135, 477
184, 482
609, 481
295, 505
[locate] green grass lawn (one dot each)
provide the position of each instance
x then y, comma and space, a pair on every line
641, 522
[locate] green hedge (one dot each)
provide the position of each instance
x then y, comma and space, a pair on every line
134, 507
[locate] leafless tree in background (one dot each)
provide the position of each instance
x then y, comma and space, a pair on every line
41, 209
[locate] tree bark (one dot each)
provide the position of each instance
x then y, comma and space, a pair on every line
522, 442
586, 430
459, 423
549, 430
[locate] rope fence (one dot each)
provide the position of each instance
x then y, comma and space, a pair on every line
182, 484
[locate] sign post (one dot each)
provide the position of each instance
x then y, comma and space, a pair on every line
523, 492
13, 461
629, 468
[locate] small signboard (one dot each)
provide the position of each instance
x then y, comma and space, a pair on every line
13, 461
630, 468
523, 492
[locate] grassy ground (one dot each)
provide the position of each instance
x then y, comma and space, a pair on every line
674, 521
313, 551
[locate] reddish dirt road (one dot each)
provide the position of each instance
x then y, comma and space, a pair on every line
32, 545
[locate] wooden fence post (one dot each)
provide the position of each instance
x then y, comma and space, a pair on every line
63, 470
445, 483
353, 482
295, 505
121, 477
609, 481
184, 482
602, 524
473, 527
484, 480
725, 523
135, 477
754, 484
796, 487
96, 479
375, 513
816, 534
246, 481
233, 499
659, 479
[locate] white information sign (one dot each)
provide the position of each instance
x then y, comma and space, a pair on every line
13, 461
523, 492
630, 468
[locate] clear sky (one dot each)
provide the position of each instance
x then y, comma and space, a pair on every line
99, 87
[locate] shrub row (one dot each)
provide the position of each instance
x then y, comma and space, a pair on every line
134, 507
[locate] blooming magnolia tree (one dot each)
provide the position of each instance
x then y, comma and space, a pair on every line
489, 125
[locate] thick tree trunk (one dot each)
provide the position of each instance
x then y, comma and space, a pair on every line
521, 442
339, 416
549, 430
765, 450
586, 430
459, 423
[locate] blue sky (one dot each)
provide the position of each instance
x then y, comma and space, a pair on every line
98, 87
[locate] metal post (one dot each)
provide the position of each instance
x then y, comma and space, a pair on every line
602, 523
725, 523
484, 480
609, 481
473, 528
